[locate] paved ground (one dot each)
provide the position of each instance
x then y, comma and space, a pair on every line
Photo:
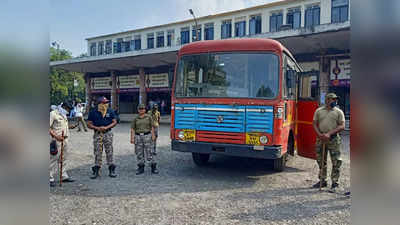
228, 191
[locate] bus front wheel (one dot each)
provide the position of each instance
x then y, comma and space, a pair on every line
280, 163
200, 159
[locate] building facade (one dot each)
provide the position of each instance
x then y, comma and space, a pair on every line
315, 31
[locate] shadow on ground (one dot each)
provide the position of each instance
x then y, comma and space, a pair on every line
178, 174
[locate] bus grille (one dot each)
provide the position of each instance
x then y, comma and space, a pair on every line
220, 137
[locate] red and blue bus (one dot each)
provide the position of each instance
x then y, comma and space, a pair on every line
241, 97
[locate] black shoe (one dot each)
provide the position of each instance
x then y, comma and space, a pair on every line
95, 170
324, 184
140, 169
111, 169
154, 168
334, 185
154, 153
52, 183
68, 180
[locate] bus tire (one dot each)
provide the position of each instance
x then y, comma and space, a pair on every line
290, 150
200, 159
280, 163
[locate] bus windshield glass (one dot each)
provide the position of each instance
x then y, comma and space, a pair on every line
228, 75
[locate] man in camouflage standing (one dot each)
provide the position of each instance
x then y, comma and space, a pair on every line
142, 135
155, 115
102, 120
328, 122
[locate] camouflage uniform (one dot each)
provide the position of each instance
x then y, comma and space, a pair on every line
156, 121
103, 141
328, 120
333, 147
143, 141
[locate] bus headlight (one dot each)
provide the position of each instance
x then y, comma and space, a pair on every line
181, 134
264, 140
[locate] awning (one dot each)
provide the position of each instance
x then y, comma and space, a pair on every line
322, 38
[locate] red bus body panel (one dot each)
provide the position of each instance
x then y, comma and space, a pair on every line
306, 135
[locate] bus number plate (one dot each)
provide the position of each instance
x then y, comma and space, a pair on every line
252, 139
190, 135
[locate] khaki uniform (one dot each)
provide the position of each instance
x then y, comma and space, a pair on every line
328, 120
156, 116
143, 142
59, 123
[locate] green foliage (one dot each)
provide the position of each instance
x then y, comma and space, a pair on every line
62, 82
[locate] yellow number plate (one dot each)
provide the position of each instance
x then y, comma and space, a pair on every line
190, 135
252, 139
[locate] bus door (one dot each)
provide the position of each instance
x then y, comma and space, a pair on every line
307, 103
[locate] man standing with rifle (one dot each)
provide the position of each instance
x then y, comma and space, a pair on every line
102, 120
328, 122
59, 132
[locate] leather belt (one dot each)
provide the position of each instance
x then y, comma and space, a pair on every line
141, 134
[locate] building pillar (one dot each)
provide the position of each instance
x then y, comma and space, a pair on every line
142, 91
324, 78
88, 91
114, 97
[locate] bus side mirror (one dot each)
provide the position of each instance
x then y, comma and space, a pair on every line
290, 75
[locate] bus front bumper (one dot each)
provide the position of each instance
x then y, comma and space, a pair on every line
250, 151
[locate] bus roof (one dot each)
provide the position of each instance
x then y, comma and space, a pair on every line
228, 45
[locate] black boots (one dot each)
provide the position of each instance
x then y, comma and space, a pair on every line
111, 169
95, 170
324, 184
140, 169
154, 168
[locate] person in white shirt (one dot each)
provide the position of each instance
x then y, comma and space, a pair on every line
79, 116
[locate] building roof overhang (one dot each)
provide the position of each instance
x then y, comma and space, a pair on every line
318, 40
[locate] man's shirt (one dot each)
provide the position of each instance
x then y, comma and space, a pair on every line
97, 118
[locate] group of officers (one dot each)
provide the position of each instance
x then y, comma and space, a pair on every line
102, 119
328, 121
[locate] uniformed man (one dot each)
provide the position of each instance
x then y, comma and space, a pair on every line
328, 122
142, 135
102, 120
155, 115
58, 127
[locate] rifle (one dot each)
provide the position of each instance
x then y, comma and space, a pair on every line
61, 158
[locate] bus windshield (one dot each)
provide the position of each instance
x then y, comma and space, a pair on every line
228, 75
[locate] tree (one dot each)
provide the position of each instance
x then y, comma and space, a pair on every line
62, 82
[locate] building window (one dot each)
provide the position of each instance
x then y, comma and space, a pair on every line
150, 40
240, 29
170, 37
196, 33
255, 25
185, 35
108, 46
293, 17
126, 45
340, 11
312, 16
118, 46
275, 21
160, 39
93, 49
209, 31
101, 48
138, 42
226, 29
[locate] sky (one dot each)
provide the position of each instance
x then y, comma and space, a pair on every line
73, 21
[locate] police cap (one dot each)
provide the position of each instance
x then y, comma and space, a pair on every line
331, 96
